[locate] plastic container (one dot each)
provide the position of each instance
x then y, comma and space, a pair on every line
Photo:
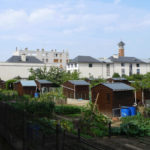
125, 111
133, 110
36, 95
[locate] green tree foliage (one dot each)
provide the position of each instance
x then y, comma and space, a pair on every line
53, 74
9, 84
97, 81
116, 75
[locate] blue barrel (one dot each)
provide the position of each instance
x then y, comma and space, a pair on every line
125, 111
132, 110
36, 95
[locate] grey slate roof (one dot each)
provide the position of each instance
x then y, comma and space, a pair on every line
84, 59
79, 82
28, 83
119, 79
44, 82
124, 59
29, 59
118, 86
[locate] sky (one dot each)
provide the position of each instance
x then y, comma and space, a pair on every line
82, 27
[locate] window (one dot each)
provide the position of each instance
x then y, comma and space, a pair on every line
47, 60
75, 65
43, 59
122, 64
138, 71
71, 65
123, 71
90, 65
108, 69
55, 60
60, 60
137, 65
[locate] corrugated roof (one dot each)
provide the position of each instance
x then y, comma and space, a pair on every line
44, 81
28, 83
118, 86
84, 59
79, 82
29, 59
124, 59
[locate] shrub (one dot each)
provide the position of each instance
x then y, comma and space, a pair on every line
67, 109
93, 123
9, 84
135, 126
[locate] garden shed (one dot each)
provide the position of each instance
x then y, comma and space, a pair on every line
44, 85
76, 89
2, 84
111, 96
25, 87
122, 80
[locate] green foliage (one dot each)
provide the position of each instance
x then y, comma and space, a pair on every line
67, 109
9, 84
8, 95
93, 123
116, 75
135, 126
147, 111
54, 74
94, 82
67, 125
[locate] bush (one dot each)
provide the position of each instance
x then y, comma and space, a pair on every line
67, 109
135, 126
93, 123
9, 84
8, 95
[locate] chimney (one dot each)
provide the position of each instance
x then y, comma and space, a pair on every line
23, 57
121, 49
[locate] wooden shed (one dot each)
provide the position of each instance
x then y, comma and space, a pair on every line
76, 89
109, 96
28, 87
2, 84
114, 80
44, 85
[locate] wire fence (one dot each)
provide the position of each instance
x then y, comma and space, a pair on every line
21, 131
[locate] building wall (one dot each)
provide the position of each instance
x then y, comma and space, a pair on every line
52, 57
11, 70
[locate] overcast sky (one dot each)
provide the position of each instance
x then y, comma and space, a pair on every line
83, 27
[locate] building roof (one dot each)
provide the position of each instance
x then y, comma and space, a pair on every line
28, 83
79, 82
84, 59
121, 43
44, 82
124, 59
118, 86
29, 59
119, 79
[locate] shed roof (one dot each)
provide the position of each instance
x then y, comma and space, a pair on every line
79, 82
84, 59
44, 82
29, 59
119, 79
118, 86
28, 83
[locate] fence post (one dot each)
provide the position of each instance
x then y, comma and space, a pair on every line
57, 136
79, 134
109, 129
63, 139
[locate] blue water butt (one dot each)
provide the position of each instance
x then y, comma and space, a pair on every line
36, 95
125, 112
133, 110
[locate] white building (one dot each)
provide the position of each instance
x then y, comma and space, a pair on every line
52, 57
106, 67
20, 66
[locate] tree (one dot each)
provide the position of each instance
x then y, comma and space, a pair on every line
116, 75
54, 74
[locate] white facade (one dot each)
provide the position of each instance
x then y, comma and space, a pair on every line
11, 70
107, 69
49, 57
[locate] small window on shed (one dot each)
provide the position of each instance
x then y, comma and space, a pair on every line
108, 97
90, 65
